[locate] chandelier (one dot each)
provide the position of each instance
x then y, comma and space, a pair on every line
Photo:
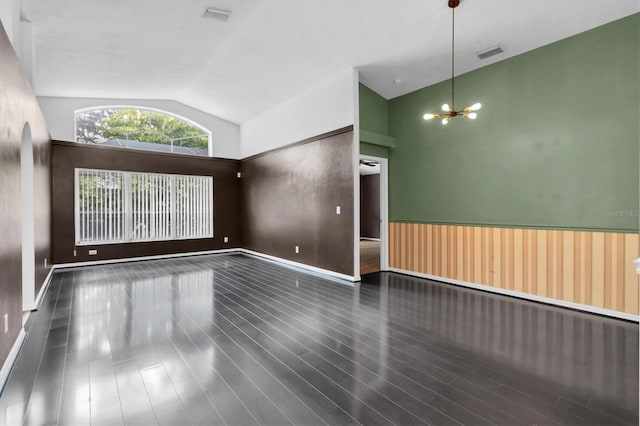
450, 111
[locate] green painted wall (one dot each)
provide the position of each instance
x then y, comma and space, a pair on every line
555, 144
373, 150
374, 117
374, 111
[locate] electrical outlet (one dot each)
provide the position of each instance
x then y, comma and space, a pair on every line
226, 239
239, 175
92, 252
6, 323
297, 249
74, 253
45, 262
337, 209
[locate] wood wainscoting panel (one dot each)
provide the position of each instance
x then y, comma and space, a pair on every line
586, 267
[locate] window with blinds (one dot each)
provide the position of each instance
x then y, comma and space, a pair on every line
116, 207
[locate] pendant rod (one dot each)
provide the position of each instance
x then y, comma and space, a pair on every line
453, 45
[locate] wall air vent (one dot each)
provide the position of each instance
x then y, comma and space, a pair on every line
220, 14
490, 51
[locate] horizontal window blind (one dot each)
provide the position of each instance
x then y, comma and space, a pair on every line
116, 207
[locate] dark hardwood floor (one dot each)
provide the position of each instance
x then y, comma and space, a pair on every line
235, 340
369, 256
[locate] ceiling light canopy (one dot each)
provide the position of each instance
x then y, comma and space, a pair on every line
450, 112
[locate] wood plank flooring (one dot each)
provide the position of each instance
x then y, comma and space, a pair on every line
236, 340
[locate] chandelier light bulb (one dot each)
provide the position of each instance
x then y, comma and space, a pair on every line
430, 116
445, 121
475, 106
446, 108
473, 115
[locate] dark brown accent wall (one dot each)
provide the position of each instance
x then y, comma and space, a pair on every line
68, 156
370, 206
290, 197
18, 106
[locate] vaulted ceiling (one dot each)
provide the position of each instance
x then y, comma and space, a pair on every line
270, 50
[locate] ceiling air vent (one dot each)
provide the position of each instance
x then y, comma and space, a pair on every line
220, 14
490, 51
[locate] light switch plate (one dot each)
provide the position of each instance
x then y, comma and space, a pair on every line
337, 209
297, 249
92, 252
225, 239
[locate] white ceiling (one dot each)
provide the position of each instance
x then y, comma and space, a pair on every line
270, 50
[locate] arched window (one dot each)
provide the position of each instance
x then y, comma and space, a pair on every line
141, 128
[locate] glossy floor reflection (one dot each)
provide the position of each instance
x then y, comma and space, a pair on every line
236, 340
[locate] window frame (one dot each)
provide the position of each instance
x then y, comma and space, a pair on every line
149, 109
128, 208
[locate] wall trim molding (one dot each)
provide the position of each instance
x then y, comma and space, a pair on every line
525, 296
124, 149
515, 226
321, 136
325, 273
141, 258
11, 359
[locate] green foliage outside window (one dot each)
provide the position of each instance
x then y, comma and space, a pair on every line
100, 125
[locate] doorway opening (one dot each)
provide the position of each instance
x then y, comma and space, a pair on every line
373, 215
26, 204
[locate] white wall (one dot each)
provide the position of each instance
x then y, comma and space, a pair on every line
27, 51
59, 114
20, 33
325, 107
10, 18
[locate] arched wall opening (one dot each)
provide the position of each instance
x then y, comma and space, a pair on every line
26, 207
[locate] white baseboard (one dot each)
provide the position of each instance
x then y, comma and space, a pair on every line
136, 259
527, 296
33, 306
325, 273
344, 279
30, 307
11, 359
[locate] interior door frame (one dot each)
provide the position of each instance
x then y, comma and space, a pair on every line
384, 209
